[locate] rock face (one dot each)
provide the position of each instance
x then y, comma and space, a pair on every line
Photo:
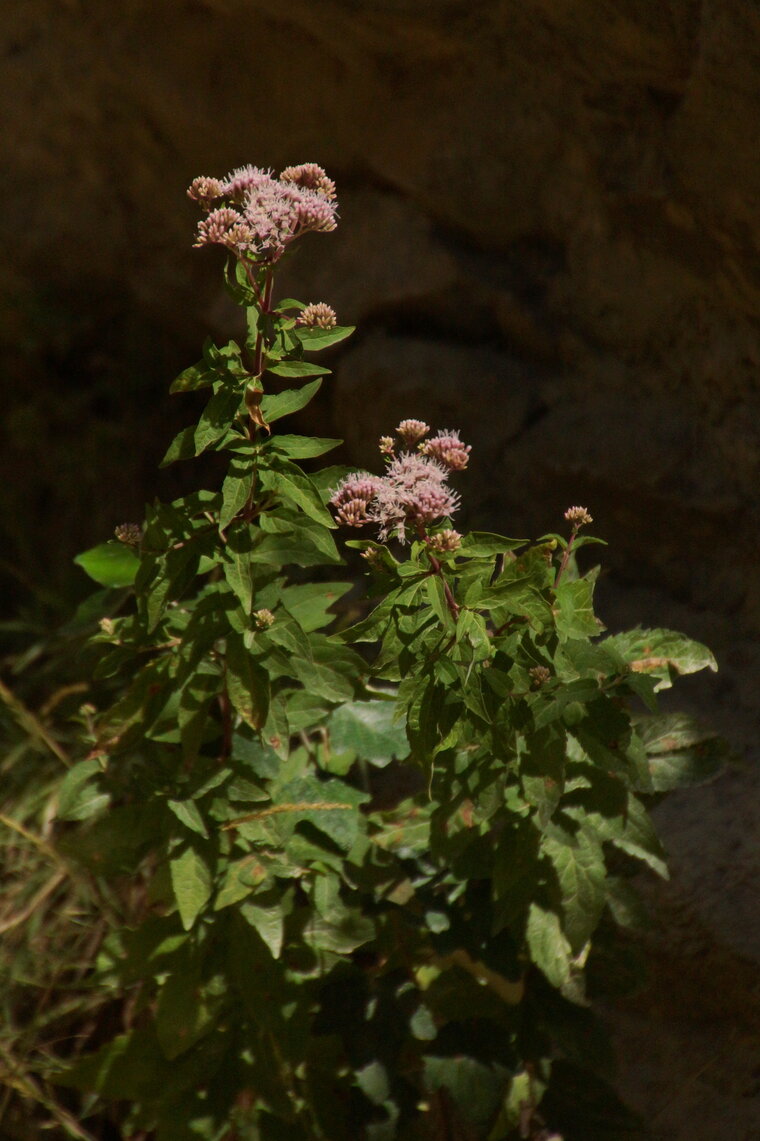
549, 238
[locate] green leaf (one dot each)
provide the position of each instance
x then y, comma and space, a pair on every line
295, 486
197, 376
188, 814
549, 949
283, 403
579, 865
679, 752
212, 429
309, 603
302, 447
662, 654
370, 729
574, 609
236, 489
247, 683
269, 923
330, 805
484, 544
110, 564
191, 883
314, 339
79, 796
238, 566
298, 368
187, 1009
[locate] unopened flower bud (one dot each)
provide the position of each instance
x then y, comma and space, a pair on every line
319, 316
412, 431
263, 618
446, 541
106, 626
129, 533
540, 675
578, 516
387, 446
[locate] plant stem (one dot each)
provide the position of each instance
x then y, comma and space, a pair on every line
565, 557
451, 602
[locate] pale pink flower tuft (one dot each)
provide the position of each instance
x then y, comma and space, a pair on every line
310, 176
448, 449
240, 181
352, 497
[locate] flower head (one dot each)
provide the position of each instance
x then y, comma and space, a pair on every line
578, 516
445, 541
448, 449
412, 431
318, 315
352, 497
129, 533
309, 176
263, 214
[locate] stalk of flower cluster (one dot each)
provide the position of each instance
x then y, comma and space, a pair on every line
578, 517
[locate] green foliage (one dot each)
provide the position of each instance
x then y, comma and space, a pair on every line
371, 858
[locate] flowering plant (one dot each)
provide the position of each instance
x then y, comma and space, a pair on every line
353, 894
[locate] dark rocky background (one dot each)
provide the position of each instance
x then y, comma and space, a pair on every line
549, 238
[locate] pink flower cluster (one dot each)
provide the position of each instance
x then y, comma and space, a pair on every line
413, 493
259, 215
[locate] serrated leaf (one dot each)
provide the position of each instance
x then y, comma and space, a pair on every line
679, 752
110, 564
661, 653
191, 883
238, 566
549, 949
236, 489
578, 862
574, 609
295, 486
247, 683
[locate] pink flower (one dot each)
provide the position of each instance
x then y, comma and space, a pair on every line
448, 449
309, 176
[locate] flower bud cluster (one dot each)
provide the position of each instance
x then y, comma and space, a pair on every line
129, 533
258, 216
318, 315
448, 449
413, 493
578, 516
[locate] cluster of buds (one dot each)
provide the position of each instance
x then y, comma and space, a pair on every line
539, 675
446, 541
263, 618
413, 493
317, 316
258, 215
129, 533
448, 449
578, 517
